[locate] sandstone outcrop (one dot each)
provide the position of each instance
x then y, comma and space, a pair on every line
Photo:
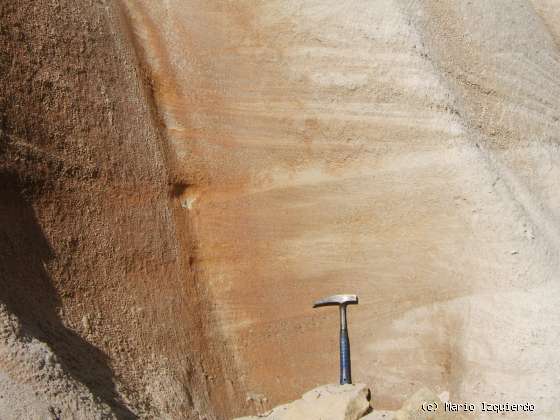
181, 179
328, 402
352, 402
413, 409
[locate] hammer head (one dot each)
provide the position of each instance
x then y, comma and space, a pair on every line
337, 300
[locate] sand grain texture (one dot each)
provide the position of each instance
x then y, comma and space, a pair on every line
180, 180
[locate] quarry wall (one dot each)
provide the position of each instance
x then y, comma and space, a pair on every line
180, 180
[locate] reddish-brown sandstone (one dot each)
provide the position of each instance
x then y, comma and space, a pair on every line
179, 180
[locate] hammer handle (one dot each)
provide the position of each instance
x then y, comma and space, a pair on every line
345, 374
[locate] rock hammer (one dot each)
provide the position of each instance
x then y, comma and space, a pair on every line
342, 301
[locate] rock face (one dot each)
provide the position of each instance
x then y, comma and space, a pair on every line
401, 150
96, 273
35, 385
352, 402
413, 408
180, 180
328, 402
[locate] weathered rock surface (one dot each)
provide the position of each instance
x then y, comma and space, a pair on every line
406, 151
180, 179
328, 402
336, 402
34, 384
94, 265
414, 408
380, 415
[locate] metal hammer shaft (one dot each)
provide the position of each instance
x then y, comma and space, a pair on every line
345, 370
342, 301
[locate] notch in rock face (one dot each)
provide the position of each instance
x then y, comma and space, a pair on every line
178, 188
185, 192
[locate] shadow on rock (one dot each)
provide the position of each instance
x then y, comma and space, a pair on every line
27, 291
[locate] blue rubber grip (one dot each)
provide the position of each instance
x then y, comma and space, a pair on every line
345, 374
